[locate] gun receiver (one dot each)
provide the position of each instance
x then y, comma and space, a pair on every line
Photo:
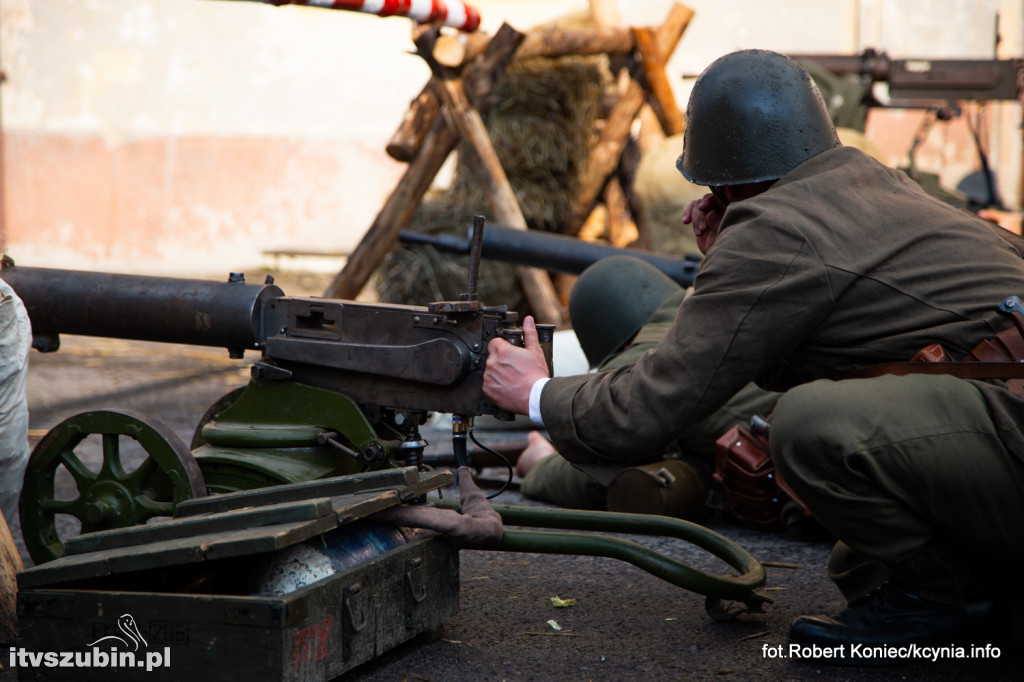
930, 79
410, 357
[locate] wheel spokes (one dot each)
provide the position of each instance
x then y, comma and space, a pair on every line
71, 507
146, 508
83, 475
136, 480
112, 467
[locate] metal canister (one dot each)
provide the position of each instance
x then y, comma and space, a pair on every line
670, 487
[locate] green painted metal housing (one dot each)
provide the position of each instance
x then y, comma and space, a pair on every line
276, 432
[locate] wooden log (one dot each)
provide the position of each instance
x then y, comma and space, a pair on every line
470, 126
654, 69
416, 180
557, 42
668, 35
408, 139
629, 162
595, 226
622, 230
643, 228
604, 157
10, 565
651, 133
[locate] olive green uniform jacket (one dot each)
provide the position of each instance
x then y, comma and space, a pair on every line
842, 264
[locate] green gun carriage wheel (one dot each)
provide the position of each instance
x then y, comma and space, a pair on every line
118, 494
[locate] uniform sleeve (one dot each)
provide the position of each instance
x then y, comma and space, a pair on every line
762, 289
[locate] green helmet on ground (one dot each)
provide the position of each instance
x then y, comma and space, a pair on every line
612, 300
753, 115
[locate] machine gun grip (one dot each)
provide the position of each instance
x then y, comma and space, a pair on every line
545, 334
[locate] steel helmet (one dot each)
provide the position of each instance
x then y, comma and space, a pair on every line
753, 115
611, 300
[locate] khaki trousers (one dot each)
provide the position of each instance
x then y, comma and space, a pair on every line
910, 475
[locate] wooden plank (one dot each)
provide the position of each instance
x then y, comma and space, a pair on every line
402, 202
97, 565
293, 492
266, 539
208, 546
175, 529
427, 482
350, 508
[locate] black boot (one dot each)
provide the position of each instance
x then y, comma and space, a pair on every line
888, 626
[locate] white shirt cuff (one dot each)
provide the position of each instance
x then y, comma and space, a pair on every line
535, 392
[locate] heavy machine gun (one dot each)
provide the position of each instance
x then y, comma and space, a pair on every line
923, 82
340, 390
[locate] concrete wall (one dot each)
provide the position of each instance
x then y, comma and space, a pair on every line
190, 136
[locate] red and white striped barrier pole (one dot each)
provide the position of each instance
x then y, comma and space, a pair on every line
452, 13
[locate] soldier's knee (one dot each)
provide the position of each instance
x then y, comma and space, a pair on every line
803, 428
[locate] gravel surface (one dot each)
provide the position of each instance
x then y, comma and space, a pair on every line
625, 624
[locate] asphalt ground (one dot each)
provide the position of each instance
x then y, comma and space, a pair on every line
625, 624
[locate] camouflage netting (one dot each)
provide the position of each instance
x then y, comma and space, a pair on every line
540, 117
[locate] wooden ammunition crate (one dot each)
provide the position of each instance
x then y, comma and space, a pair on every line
193, 619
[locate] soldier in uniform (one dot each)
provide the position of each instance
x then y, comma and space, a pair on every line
820, 262
621, 307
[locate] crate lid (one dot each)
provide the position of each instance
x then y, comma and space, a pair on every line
235, 524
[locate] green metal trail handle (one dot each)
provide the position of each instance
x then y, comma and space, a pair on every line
740, 587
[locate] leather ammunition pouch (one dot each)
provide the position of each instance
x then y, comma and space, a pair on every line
745, 476
749, 486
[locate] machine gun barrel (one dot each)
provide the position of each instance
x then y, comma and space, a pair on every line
418, 358
196, 312
552, 251
924, 79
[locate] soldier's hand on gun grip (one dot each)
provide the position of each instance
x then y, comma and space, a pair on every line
511, 371
705, 215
